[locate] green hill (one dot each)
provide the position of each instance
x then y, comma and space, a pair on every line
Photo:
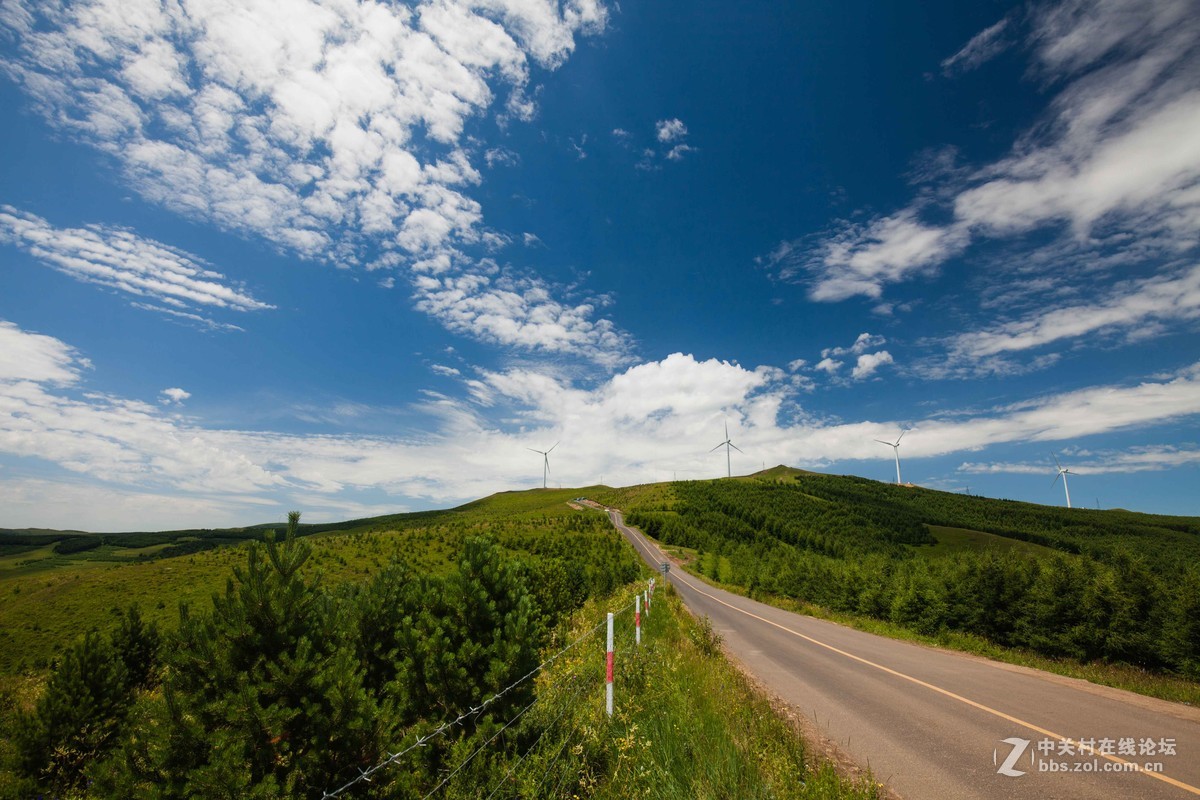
1082, 584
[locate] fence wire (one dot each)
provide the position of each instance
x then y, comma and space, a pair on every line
365, 775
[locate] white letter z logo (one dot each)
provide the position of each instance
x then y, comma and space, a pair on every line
1018, 749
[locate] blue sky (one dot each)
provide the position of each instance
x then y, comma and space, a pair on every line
355, 258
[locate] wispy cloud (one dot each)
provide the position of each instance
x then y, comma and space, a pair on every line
33, 357
1113, 157
983, 47
1143, 459
119, 259
1135, 309
333, 131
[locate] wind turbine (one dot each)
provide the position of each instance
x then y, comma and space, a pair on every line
896, 451
546, 461
728, 444
1063, 472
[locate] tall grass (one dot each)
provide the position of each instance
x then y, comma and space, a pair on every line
687, 724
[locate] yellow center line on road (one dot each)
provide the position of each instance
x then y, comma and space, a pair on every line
988, 709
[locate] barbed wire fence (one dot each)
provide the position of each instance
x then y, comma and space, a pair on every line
642, 599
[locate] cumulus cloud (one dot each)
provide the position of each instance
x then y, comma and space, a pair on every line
670, 130
865, 341
332, 130
670, 144
1112, 167
868, 363
828, 365
119, 259
173, 396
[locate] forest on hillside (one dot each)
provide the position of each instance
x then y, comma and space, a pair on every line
1100, 585
286, 687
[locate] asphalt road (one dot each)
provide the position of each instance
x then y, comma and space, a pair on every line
932, 723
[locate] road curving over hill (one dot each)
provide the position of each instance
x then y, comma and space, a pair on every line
933, 723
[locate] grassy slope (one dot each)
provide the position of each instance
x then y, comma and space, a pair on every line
954, 540
688, 724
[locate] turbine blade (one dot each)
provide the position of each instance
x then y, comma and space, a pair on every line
1056, 477
1056, 462
551, 450
881, 441
735, 447
530, 449
722, 444
901, 436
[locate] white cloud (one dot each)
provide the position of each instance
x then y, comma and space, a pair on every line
865, 341
669, 146
521, 312
983, 46
173, 396
828, 365
677, 152
333, 130
1144, 459
1131, 307
1114, 157
36, 358
670, 130
868, 363
119, 259
639, 425
798, 363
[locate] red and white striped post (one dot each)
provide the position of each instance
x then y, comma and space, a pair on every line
637, 619
608, 668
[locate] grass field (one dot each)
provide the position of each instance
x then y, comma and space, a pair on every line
956, 540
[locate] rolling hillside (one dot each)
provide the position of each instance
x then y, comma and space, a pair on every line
301, 663
1080, 584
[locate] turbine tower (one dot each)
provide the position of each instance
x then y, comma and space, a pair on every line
728, 444
896, 451
545, 461
1063, 472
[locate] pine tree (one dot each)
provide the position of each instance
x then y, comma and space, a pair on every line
264, 697
77, 717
